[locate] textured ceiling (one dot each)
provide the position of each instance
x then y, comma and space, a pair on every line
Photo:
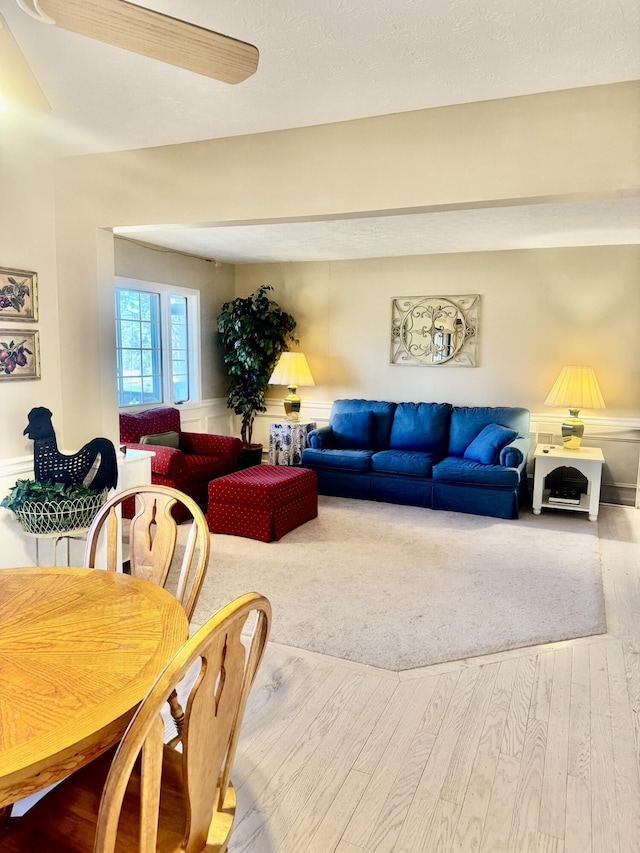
333, 60
607, 222
327, 61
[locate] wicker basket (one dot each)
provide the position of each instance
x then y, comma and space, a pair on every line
41, 518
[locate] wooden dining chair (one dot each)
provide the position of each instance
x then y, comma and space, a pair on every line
149, 796
153, 535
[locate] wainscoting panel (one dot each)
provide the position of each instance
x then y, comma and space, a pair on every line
210, 416
17, 549
619, 440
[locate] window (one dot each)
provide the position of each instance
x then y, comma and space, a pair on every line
179, 348
156, 344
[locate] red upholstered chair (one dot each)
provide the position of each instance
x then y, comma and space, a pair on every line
198, 458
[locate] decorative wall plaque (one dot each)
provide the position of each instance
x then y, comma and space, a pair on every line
434, 330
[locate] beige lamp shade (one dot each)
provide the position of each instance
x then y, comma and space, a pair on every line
292, 370
575, 388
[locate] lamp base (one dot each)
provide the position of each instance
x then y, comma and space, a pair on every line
572, 431
292, 404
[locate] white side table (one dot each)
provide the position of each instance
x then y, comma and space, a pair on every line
287, 440
587, 460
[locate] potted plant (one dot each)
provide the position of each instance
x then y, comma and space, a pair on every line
253, 332
42, 506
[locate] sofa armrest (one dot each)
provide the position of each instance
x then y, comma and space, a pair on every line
320, 439
207, 444
168, 461
515, 454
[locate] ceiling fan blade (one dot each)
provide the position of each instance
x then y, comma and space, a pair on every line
159, 36
17, 83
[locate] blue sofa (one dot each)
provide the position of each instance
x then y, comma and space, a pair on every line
462, 458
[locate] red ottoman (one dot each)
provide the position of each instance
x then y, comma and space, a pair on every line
263, 502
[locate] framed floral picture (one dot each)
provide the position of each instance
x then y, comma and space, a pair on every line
18, 294
19, 354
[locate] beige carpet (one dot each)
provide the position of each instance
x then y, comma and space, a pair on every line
403, 587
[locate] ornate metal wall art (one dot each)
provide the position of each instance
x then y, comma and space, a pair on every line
434, 330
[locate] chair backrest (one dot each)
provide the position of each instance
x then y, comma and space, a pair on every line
153, 535
214, 711
133, 425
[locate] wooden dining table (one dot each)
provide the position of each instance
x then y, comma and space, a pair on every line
79, 648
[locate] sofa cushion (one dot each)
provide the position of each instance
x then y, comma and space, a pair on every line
421, 426
353, 430
413, 462
486, 446
456, 470
468, 421
382, 413
354, 460
162, 439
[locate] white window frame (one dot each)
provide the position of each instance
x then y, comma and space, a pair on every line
193, 331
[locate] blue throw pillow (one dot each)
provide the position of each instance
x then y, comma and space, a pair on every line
486, 446
353, 430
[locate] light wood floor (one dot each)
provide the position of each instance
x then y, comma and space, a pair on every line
529, 751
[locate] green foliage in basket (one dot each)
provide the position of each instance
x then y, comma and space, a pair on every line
43, 491
42, 506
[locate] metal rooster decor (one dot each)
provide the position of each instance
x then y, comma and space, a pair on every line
70, 469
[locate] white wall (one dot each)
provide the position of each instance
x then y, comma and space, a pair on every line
540, 310
27, 241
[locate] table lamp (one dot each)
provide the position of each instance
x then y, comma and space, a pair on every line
292, 370
576, 388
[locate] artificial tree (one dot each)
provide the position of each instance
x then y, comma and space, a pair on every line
253, 332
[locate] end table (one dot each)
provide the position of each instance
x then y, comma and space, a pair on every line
287, 440
587, 460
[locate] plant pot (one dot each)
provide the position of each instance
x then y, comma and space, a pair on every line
250, 455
